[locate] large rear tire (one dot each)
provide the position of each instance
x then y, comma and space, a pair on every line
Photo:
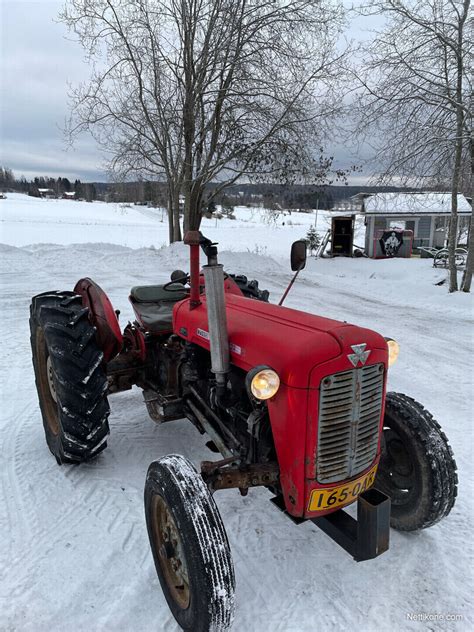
70, 379
189, 545
417, 467
250, 289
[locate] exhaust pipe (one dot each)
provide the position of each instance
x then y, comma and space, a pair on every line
217, 319
215, 301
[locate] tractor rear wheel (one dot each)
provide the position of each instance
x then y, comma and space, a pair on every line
417, 467
250, 289
70, 379
189, 545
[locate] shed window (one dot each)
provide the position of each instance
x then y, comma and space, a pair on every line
397, 223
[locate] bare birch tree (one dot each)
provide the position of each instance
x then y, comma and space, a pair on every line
468, 272
201, 91
415, 109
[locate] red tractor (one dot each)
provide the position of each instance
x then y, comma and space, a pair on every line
293, 402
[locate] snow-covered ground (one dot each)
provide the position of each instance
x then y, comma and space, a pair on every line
73, 548
26, 220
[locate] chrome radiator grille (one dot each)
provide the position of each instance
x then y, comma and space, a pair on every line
349, 413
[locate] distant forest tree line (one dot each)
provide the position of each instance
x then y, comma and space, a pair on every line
58, 186
270, 196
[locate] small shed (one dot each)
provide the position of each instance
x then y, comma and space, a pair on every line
425, 215
47, 193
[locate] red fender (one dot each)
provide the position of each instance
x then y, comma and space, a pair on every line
230, 286
102, 316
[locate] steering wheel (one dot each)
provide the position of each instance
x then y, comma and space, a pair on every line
181, 278
177, 277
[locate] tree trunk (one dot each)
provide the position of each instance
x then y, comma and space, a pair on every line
187, 224
174, 228
452, 236
467, 276
170, 217
192, 211
195, 208
453, 226
176, 225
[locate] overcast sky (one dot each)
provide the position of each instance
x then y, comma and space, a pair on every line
37, 62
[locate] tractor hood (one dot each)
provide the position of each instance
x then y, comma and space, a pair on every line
289, 341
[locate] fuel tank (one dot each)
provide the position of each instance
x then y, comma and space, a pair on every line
291, 342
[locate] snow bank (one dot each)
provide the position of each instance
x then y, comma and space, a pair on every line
26, 220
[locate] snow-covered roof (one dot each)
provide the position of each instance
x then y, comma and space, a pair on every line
46, 190
413, 204
69, 193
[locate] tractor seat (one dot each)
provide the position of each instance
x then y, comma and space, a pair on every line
153, 305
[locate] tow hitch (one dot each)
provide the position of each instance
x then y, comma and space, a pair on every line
364, 538
368, 536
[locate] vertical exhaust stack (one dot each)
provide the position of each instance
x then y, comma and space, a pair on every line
217, 318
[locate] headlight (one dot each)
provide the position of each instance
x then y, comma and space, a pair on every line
393, 351
263, 382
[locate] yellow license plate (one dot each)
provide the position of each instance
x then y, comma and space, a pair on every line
322, 499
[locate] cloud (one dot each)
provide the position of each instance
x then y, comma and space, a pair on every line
38, 59
46, 158
37, 63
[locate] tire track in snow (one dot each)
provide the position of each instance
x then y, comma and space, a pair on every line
20, 515
104, 503
101, 499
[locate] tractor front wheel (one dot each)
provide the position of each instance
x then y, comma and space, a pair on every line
70, 379
189, 545
417, 469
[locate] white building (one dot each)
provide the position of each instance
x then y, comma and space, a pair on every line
426, 214
47, 193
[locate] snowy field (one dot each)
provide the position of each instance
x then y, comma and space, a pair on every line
26, 220
74, 552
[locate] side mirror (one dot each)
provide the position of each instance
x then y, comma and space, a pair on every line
298, 255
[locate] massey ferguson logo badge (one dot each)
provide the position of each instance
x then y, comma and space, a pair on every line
359, 355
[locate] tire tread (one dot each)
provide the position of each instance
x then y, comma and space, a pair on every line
81, 381
439, 454
176, 472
